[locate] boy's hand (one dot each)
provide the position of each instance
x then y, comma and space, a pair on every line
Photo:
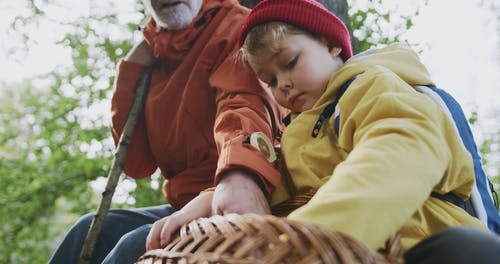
162, 231
141, 53
237, 192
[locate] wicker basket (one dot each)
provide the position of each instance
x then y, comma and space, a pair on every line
265, 239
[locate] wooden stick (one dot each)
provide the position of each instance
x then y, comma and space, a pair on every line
141, 91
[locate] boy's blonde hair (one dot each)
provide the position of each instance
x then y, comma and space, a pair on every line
265, 36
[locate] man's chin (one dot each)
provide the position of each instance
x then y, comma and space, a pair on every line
173, 23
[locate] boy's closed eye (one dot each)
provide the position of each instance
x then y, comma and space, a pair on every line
288, 66
292, 63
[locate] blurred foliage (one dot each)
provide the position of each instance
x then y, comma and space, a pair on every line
41, 161
54, 129
490, 144
376, 22
55, 146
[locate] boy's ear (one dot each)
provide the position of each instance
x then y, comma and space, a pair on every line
335, 51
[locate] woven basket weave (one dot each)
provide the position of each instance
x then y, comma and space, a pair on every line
266, 239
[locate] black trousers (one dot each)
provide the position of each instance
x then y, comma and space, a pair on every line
457, 245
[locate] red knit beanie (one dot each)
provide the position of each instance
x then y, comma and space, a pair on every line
307, 14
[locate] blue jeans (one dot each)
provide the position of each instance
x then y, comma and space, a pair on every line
122, 239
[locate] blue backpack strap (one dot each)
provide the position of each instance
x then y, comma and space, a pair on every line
327, 112
454, 199
330, 109
482, 196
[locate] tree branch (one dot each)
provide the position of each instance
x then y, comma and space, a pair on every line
117, 167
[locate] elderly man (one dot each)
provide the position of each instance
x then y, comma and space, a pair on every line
201, 107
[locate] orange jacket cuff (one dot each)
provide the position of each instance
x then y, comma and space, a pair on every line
237, 154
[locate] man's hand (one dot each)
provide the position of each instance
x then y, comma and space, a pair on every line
141, 53
163, 230
237, 192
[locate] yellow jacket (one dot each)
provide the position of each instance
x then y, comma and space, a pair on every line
395, 146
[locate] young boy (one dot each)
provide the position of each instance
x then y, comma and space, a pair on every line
380, 154
376, 165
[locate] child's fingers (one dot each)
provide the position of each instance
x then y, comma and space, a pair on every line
172, 224
153, 239
162, 231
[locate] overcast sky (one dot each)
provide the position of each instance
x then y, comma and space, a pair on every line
463, 51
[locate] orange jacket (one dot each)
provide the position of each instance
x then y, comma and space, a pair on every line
200, 105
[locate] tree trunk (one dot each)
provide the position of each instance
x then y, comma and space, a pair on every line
338, 7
